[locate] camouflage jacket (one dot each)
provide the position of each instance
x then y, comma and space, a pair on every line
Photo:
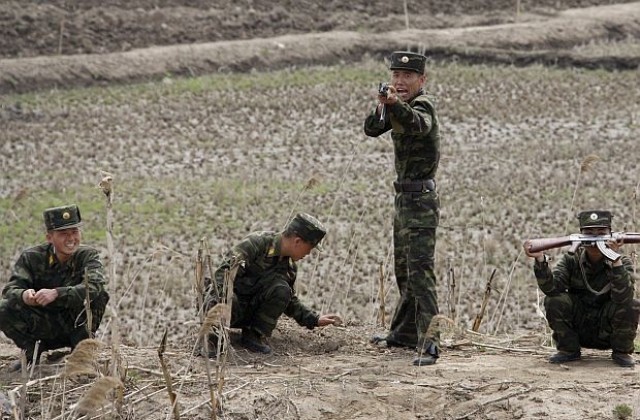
38, 268
416, 137
615, 283
261, 260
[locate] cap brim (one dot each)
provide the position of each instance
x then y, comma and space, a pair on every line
75, 225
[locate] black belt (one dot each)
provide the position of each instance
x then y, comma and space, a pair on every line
415, 186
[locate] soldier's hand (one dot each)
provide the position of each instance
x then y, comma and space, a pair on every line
46, 296
391, 98
527, 250
29, 297
329, 319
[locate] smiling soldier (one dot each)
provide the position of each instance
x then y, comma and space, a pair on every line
410, 113
44, 298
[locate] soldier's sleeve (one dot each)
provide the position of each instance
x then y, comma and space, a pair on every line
72, 296
245, 252
21, 279
302, 315
623, 282
373, 127
550, 282
415, 120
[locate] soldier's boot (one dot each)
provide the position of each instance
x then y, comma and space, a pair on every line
623, 359
29, 352
428, 356
253, 341
209, 351
565, 357
389, 340
77, 335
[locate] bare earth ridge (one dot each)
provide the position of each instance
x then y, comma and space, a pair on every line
540, 39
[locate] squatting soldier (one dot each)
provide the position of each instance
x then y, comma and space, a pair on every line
589, 299
410, 113
264, 284
44, 298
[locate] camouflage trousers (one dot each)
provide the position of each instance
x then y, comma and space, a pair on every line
574, 325
55, 328
414, 238
261, 309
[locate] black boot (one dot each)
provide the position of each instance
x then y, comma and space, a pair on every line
253, 341
427, 356
564, 357
29, 350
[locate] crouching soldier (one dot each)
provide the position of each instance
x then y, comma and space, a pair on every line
263, 289
589, 299
44, 298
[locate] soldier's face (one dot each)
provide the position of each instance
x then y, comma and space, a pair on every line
300, 249
407, 83
65, 241
596, 231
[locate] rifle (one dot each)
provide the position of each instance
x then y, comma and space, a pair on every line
383, 90
577, 239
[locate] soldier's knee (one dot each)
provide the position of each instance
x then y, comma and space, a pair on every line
5, 313
558, 303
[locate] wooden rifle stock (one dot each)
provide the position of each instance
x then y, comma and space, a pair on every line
543, 244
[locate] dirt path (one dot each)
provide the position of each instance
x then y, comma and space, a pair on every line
524, 43
336, 374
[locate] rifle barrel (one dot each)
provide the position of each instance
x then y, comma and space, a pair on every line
543, 244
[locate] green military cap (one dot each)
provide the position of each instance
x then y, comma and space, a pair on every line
308, 228
65, 217
595, 218
406, 60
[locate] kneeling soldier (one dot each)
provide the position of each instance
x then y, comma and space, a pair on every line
44, 298
264, 284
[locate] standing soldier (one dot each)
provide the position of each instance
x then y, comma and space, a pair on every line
44, 298
409, 112
263, 288
589, 300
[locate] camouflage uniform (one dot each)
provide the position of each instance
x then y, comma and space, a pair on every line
416, 140
60, 323
590, 304
264, 285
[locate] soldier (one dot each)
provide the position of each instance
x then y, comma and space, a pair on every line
589, 299
263, 288
410, 113
44, 298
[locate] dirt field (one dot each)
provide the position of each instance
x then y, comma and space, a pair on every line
277, 128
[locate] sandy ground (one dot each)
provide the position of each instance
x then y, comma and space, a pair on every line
335, 374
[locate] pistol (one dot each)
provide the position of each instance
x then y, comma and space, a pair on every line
383, 89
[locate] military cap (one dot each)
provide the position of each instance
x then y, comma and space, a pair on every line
308, 228
406, 60
65, 217
595, 218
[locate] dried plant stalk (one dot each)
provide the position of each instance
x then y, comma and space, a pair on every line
585, 166
381, 294
311, 182
167, 377
451, 290
199, 279
485, 299
87, 304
